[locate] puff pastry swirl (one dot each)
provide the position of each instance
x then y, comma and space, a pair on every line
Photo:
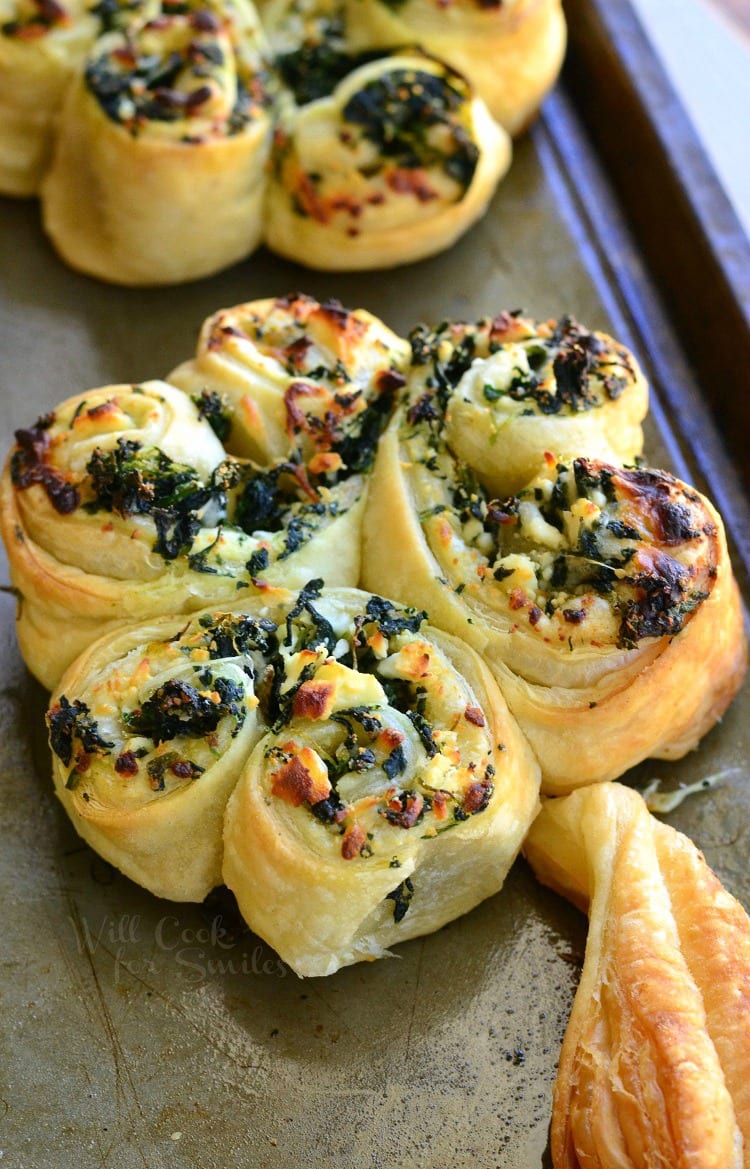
602, 597
149, 730
43, 44
396, 163
391, 795
655, 1064
122, 505
159, 166
504, 390
301, 378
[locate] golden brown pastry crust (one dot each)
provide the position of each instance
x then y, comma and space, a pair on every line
602, 598
134, 198
390, 798
299, 375
654, 1065
42, 49
101, 533
511, 51
339, 198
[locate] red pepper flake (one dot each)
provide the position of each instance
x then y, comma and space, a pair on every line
126, 764
517, 599
403, 811
535, 615
474, 715
411, 181
353, 842
478, 796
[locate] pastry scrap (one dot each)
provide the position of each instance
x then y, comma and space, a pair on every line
601, 596
391, 794
158, 174
511, 50
655, 1064
391, 164
299, 378
122, 505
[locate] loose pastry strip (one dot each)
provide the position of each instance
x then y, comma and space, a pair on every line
602, 597
655, 1065
298, 378
396, 163
503, 390
390, 796
512, 51
159, 167
122, 505
149, 730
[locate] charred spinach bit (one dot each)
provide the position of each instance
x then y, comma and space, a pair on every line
320, 631
315, 69
261, 504
392, 619
28, 465
298, 531
258, 561
178, 708
397, 111
131, 480
358, 445
237, 635
395, 763
401, 897
661, 603
71, 721
216, 410
329, 810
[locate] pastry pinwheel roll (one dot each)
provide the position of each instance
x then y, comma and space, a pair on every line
506, 389
298, 376
149, 730
391, 166
390, 796
159, 167
655, 1064
602, 597
511, 50
122, 505
43, 44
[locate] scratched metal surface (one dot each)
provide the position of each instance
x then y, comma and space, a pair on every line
140, 1035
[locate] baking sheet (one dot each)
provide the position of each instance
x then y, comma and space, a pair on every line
138, 1033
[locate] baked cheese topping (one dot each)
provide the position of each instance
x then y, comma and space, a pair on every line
378, 741
589, 555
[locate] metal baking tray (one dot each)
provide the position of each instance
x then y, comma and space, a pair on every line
139, 1033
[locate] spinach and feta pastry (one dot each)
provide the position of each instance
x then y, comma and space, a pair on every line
159, 168
602, 597
396, 162
391, 793
149, 730
43, 45
511, 49
503, 390
123, 505
655, 1064
296, 376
